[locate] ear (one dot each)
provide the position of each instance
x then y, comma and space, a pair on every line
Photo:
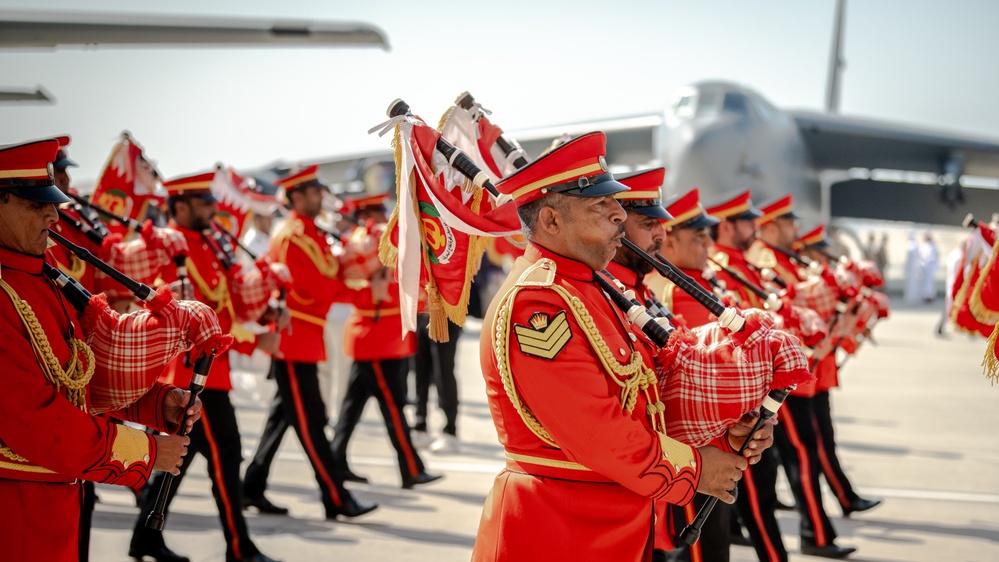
550, 220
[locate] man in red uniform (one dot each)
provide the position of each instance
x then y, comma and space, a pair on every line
306, 251
827, 377
795, 435
49, 442
687, 245
570, 386
373, 338
643, 226
237, 295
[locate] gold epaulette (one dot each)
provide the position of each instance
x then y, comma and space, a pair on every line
293, 232
761, 256
541, 274
719, 260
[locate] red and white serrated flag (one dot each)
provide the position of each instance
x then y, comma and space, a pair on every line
128, 183
238, 198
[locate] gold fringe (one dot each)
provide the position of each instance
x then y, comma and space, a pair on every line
444, 118
388, 253
437, 330
982, 313
990, 362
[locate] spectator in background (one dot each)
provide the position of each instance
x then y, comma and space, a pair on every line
881, 254
912, 270
929, 261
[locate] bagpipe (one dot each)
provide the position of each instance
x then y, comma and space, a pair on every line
82, 300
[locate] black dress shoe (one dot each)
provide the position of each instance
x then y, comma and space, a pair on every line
351, 508
421, 478
828, 551
160, 553
349, 476
781, 506
258, 557
264, 505
860, 504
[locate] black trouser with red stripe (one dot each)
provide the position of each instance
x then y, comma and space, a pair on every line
756, 502
385, 379
255, 478
797, 442
305, 411
215, 437
831, 468
713, 545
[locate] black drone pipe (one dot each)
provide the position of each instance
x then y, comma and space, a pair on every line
140, 290
728, 317
129, 223
635, 312
466, 101
770, 300
70, 288
456, 158
91, 234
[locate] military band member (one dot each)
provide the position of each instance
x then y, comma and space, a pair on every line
237, 295
570, 385
305, 249
373, 338
827, 377
795, 435
49, 443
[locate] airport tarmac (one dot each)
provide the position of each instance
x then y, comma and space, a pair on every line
916, 424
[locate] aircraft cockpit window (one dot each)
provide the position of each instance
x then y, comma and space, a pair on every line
735, 102
684, 107
707, 104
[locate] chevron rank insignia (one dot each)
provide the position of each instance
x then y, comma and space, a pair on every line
545, 337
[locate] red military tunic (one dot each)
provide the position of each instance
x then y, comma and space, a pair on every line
48, 444
691, 312
306, 252
582, 471
374, 329
211, 284
735, 260
630, 279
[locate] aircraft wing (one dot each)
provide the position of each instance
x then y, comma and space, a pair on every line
837, 142
57, 29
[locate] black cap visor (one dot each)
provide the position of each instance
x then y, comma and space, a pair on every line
654, 211
700, 221
40, 194
589, 186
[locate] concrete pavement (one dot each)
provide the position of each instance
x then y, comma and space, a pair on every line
916, 423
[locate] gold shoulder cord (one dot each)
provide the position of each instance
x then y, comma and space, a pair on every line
74, 377
631, 378
222, 297
293, 232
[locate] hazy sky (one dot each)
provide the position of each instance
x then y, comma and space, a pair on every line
919, 62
